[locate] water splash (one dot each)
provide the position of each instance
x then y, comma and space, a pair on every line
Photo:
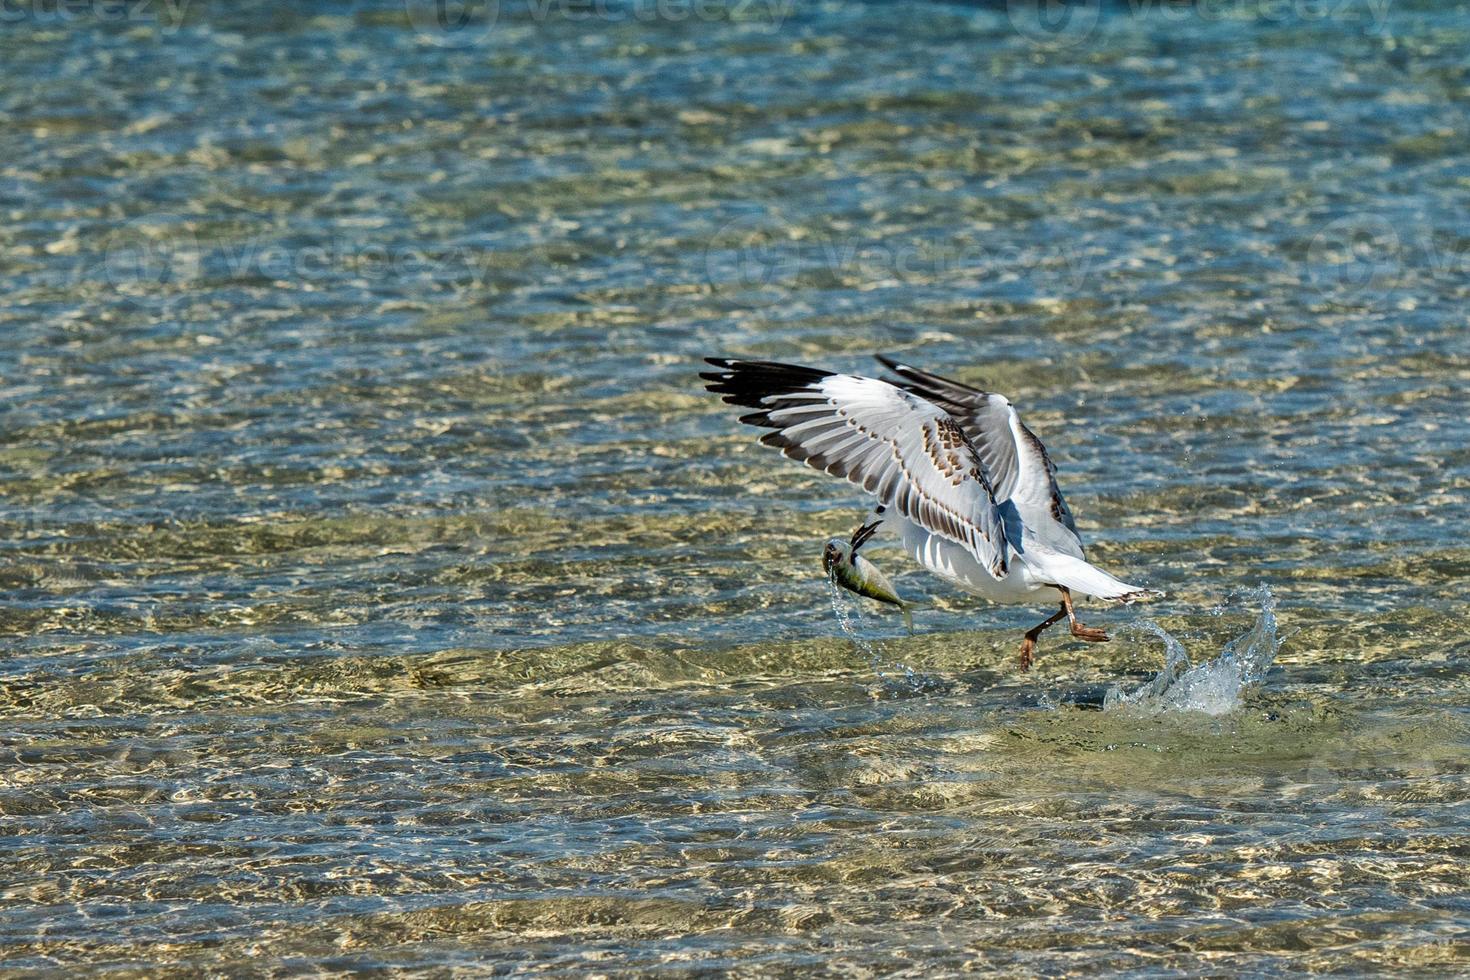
850, 619
1214, 687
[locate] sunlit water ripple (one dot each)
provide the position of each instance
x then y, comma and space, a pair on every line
381, 590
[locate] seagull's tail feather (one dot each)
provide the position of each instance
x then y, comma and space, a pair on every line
1082, 578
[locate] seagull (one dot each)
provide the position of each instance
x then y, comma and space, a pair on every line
970, 490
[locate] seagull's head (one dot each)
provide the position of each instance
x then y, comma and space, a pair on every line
837, 552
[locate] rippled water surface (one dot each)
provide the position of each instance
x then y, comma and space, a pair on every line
381, 590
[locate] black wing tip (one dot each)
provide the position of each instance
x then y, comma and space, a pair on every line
727, 364
912, 376
722, 382
749, 382
923, 382
758, 364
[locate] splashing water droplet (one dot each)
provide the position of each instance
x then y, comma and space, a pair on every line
1214, 687
850, 618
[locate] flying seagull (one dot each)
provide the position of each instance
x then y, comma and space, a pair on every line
969, 489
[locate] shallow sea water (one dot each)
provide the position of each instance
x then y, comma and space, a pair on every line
381, 591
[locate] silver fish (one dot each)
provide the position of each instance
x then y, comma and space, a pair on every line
856, 574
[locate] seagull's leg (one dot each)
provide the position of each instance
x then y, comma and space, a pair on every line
1028, 645
1088, 633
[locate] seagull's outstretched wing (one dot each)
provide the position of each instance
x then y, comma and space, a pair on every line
1020, 469
905, 450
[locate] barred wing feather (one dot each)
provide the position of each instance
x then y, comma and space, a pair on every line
897, 445
1020, 469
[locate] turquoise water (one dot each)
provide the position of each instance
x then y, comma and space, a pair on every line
381, 590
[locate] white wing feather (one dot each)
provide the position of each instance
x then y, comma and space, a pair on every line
902, 448
1020, 469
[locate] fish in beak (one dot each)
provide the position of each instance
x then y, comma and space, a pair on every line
856, 574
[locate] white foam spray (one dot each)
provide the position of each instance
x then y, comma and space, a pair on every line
1214, 687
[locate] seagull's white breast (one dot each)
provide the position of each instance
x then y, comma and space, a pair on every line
955, 563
